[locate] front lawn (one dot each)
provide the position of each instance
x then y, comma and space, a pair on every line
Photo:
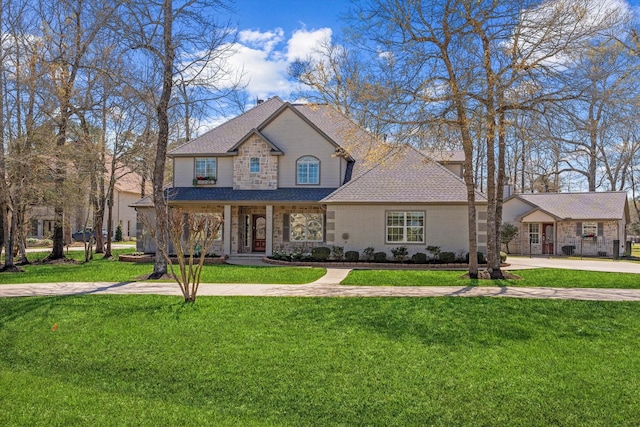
101, 270
150, 360
541, 277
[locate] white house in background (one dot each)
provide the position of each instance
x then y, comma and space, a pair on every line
128, 190
289, 177
568, 223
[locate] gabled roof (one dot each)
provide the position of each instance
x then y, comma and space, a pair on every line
274, 149
222, 138
579, 206
444, 156
350, 139
404, 176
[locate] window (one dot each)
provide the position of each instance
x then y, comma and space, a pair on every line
206, 168
308, 170
534, 233
306, 227
405, 227
589, 229
254, 165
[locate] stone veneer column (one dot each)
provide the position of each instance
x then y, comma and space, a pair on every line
269, 242
226, 230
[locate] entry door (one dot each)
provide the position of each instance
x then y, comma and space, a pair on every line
547, 239
259, 241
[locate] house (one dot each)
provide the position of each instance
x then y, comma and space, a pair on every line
127, 190
592, 224
288, 177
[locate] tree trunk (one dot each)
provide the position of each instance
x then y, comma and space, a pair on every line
160, 263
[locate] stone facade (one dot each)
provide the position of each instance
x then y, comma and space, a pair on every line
266, 178
279, 243
567, 234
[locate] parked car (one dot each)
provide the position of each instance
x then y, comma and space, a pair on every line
86, 235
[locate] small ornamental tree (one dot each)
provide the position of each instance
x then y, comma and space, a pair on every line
508, 232
119, 233
193, 235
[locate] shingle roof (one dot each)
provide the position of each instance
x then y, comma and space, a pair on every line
582, 206
445, 156
227, 194
337, 127
222, 138
404, 176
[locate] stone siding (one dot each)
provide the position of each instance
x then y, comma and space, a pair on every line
267, 178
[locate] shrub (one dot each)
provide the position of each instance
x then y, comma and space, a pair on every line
447, 257
367, 254
400, 253
380, 257
568, 250
503, 257
337, 252
320, 253
419, 258
602, 253
434, 251
481, 258
351, 256
118, 237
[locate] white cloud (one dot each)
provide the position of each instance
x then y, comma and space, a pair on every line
265, 41
303, 43
265, 57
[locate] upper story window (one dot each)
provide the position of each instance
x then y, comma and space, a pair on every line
254, 165
206, 168
308, 170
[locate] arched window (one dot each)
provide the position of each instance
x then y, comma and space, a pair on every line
308, 170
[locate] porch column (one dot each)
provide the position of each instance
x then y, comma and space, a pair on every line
269, 243
226, 230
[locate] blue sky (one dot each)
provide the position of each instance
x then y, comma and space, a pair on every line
272, 33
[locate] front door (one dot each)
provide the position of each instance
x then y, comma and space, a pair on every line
259, 241
547, 239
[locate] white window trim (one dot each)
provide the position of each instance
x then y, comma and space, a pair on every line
534, 233
405, 227
251, 164
207, 173
306, 161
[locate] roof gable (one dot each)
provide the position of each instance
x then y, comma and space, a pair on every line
580, 206
222, 138
404, 176
254, 132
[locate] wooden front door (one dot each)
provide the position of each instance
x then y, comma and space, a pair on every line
548, 234
259, 241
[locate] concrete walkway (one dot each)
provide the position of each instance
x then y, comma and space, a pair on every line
316, 290
329, 286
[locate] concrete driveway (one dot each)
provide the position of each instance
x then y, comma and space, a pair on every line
607, 265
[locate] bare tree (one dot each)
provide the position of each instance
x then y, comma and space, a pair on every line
192, 235
469, 65
181, 39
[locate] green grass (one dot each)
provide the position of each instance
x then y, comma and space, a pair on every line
541, 277
101, 270
149, 360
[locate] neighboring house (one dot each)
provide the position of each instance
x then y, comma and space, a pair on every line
127, 191
568, 223
288, 177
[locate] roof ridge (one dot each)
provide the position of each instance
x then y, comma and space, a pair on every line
230, 121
